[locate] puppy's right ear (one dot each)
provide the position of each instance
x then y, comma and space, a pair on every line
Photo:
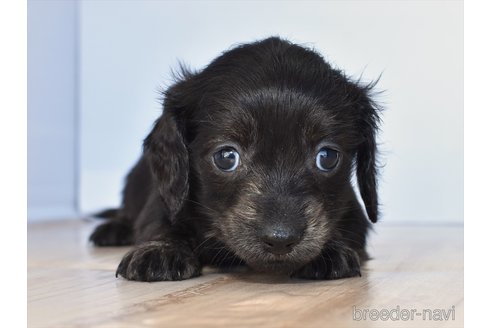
368, 124
166, 150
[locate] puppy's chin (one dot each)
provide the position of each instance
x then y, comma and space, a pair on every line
274, 267
275, 264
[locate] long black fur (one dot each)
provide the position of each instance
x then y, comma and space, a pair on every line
276, 103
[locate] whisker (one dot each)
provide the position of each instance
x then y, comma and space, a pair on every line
204, 206
203, 242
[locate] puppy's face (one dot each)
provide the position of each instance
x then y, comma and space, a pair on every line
273, 171
263, 142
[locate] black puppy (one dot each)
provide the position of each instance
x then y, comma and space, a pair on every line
251, 163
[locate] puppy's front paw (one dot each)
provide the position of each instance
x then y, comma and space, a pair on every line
158, 261
335, 262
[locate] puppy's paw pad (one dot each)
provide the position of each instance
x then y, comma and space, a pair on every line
333, 263
112, 233
158, 261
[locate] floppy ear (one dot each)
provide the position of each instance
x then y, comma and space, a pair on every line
166, 150
366, 163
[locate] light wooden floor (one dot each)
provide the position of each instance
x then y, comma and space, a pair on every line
72, 284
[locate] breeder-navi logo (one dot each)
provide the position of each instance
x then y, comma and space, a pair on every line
397, 314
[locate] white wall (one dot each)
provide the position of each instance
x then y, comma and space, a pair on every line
127, 50
51, 112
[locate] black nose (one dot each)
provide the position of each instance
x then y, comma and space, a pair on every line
280, 242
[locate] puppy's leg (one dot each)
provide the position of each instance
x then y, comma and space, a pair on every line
115, 232
335, 262
343, 256
163, 253
158, 261
118, 230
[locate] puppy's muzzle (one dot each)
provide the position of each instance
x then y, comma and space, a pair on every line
279, 241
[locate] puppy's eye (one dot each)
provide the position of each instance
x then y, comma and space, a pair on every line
227, 159
327, 159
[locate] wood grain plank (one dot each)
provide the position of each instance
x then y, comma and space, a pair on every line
72, 284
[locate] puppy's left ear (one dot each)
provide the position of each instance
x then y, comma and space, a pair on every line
168, 157
366, 162
166, 147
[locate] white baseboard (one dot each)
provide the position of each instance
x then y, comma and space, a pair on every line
38, 214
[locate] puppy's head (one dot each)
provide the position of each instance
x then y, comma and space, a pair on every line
267, 136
